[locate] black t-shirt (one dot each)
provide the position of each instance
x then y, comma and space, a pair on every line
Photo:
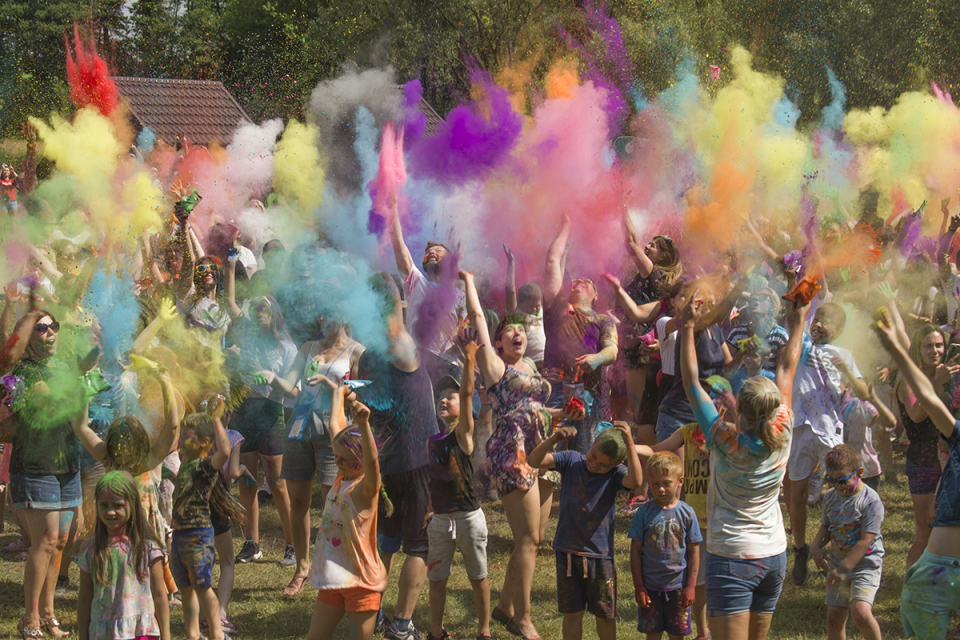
710, 362
402, 412
450, 476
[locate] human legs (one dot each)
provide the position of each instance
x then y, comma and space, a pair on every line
862, 614
301, 494
278, 488
522, 507
44, 528
921, 517
224, 546
248, 497
546, 505
573, 625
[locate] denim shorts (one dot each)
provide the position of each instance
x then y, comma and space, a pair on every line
667, 426
191, 557
735, 586
55, 492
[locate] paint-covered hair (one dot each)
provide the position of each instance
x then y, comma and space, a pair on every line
758, 402
128, 444
139, 531
201, 424
841, 458
509, 319
610, 443
351, 441
663, 463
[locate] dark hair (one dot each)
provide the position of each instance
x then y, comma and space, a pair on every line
841, 457
121, 484
510, 318
126, 433
529, 291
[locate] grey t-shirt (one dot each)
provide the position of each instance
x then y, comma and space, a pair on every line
846, 518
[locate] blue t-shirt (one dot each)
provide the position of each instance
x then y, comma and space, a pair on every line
948, 493
665, 535
587, 506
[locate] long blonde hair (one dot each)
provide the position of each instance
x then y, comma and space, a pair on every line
758, 402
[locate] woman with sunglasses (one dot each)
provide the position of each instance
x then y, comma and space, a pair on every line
204, 307
44, 470
268, 351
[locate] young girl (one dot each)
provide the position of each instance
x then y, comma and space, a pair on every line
346, 567
122, 592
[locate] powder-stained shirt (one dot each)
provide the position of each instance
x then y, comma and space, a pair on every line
858, 418
450, 476
122, 608
665, 535
696, 471
847, 518
191, 494
776, 339
402, 412
742, 501
817, 390
587, 506
441, 330
44, 442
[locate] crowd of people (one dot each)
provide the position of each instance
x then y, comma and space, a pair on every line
708, 395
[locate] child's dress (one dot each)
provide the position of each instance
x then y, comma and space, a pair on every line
122, 609
345, 555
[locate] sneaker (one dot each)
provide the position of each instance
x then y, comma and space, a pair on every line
63, 583
392, 633
800, 570
816, 487
632, 505
249, 552
289, 557
382, 623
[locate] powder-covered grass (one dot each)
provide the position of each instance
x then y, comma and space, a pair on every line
261, 611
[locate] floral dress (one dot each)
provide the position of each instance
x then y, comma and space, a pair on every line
519, 407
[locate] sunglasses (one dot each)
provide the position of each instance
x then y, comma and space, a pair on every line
842, 480
203, 268
42, 327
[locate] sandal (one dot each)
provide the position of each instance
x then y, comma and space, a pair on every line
484, 636
515, 629
227, 626
28, 632
295, 587
500, 616
52, 626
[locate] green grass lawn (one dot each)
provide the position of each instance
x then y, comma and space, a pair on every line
261, 611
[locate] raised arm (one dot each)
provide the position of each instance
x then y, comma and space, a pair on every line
635, 246
87, 437
634, 471
338, 416
231, 277
16, 344
510, 285
645, 313
170, 434
921, 385
492, 367
540, 457
553, 270
465, 425
790, 356
366, 494
219, 457
703, 409
165, 313
400, 251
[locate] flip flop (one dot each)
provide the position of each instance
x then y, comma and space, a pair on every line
514, 628
500, 616
295, 587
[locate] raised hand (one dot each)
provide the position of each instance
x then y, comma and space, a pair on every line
612, 279
509, 253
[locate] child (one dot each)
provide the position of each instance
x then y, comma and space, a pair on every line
818, 425
852, 515
755, 353
859, 418
458, 522
665, 552
192, 547
122, 592
586, 574
346, 567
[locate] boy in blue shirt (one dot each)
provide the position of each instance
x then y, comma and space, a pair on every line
586, 575
665, 552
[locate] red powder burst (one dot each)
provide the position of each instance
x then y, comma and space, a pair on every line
90, 83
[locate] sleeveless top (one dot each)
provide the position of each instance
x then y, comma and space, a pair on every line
335, 370
345, 555
923, 436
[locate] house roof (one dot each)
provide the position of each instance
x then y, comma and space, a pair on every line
201, 110
433, 118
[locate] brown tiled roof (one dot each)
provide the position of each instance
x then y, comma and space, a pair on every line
433, 118
202, 110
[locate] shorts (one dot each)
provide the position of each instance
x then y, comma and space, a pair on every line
873, 483
54, 492
191, 557
260, 422
589, 583
735, 586
650, 401
806, 452
922, 480
10, 205
859, 585
931, 590
309, 458
351, 600
667, 426
410, 495
665, 614
447, 532
221, 523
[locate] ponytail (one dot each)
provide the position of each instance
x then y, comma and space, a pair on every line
758, 403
